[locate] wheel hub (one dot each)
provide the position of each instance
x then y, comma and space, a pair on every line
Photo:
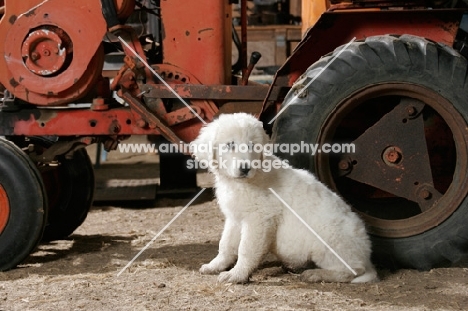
396, 133
52, 58
44, 52
408, 173
392, 155
4, 209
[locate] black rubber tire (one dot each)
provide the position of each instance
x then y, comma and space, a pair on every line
70, 189
380, 60
28, 205
175, 177
75, 200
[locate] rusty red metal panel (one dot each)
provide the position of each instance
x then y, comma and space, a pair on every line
70, 122
338, 28
87, 122
218, 92
197, 38
49, 56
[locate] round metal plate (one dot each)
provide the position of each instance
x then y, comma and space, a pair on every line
455, 183
4, 209
86, 38
43, 53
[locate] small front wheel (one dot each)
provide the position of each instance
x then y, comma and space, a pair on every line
23, 205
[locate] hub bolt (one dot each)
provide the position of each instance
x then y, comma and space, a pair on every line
34, 56
425, 194
411, 111
344, 165
392, 155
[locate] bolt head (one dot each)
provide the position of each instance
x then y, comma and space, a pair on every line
141, 123
343, 165
393, 156
34, 56
425, 194
411, 111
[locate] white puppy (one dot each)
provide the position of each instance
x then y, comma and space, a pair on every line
257, 222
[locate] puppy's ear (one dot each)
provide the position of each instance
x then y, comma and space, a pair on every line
262, 137
265, 138
202, 147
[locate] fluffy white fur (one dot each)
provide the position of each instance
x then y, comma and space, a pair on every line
258, 223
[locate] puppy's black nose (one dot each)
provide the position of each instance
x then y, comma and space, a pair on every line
244, 170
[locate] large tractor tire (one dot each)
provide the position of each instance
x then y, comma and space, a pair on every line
23, 210
403, 104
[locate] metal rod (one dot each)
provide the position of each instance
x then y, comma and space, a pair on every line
254, 58
243, 55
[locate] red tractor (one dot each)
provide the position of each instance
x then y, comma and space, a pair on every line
389, 77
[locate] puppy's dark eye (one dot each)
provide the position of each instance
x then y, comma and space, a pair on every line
230, 145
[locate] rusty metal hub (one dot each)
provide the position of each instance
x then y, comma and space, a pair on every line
4, 209
51, 57
45, 50
408, 173
392, 155
379, 160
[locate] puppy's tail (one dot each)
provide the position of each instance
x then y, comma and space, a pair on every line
370, 275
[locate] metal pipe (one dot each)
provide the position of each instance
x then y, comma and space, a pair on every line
254, 58
243, 55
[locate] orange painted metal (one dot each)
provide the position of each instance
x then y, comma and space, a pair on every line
4, 209
338, 28
311, 12
198, 38
196, 52
132, 61
44, 51
188, 130
152, 120
213, 92
70, 122
184, 124
37, 33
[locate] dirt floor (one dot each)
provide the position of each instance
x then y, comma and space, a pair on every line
81, 273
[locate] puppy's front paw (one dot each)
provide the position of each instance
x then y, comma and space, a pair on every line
310, 276
232, 277
208, 269
319, 275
